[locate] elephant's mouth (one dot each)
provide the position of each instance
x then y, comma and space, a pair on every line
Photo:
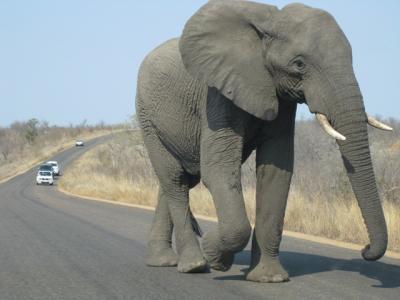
294, 95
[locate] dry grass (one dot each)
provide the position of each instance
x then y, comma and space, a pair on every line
339, 220
121, 171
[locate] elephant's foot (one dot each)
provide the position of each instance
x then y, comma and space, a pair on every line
161, 254
191, 261
216, 259
222, 262
269, 270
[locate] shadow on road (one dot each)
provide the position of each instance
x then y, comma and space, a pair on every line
299, 264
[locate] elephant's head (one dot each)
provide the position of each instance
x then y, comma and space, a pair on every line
258, 56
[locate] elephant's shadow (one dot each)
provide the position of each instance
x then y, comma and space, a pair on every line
298, 264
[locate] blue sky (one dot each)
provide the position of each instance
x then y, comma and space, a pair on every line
66, 61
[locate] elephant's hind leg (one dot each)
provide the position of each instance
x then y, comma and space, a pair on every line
190, 256
159, 248
174, 204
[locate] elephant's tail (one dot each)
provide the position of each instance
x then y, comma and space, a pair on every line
195, 224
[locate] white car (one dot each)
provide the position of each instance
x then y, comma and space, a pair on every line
55, 166
79, 143
44, 177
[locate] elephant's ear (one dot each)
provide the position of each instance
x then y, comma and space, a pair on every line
222, 45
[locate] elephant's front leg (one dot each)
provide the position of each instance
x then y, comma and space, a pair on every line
274, 172
221, 157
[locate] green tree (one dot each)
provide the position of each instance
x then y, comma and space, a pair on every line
31, 130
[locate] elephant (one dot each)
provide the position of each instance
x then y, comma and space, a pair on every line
228, 86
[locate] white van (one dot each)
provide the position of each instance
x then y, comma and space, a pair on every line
55, 166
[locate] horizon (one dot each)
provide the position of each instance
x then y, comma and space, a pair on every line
71, 61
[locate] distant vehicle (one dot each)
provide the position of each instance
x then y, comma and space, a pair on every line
55, 166
79, 143
44, 177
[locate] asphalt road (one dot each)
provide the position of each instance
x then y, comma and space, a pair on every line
53, 246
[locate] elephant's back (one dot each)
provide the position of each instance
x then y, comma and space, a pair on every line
169, 100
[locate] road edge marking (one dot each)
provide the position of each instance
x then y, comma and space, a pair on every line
293, 234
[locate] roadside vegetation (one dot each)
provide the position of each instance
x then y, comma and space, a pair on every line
321, 201
25, 144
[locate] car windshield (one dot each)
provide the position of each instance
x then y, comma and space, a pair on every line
53, 163
46, 167
45, 173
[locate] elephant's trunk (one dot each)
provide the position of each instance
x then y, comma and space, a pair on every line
350, 120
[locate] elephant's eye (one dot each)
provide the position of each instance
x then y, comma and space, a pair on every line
298, 64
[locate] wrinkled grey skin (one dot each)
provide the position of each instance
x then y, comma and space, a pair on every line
228, 86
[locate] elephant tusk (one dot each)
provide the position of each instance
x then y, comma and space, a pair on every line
323, 121
375, 123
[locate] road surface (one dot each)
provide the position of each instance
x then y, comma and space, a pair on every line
54, 246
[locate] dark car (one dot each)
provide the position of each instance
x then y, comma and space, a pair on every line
46, 167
